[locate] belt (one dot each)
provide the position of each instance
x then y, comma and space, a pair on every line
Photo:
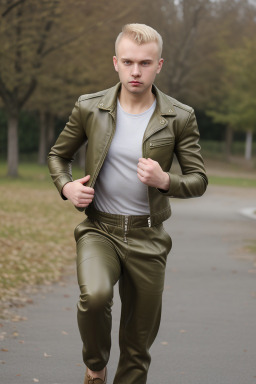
123, 221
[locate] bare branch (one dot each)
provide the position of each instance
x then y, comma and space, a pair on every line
4, 93
73, 38
30, 90
18, 2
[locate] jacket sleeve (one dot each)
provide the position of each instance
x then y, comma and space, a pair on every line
62, 153
193, 180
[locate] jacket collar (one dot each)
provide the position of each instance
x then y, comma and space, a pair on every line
164, 104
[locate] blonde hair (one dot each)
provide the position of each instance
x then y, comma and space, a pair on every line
141, 34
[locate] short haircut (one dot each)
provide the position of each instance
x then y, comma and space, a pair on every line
141, 34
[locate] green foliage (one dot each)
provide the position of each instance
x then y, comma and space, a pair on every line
236, 101
217, 147
28, 133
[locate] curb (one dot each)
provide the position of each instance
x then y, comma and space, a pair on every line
249, 212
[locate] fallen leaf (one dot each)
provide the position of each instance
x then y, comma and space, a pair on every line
36, 380
46, 355
183, 331
64, 333
4, 350
164, 343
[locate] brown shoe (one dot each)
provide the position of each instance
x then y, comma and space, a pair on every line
92, 380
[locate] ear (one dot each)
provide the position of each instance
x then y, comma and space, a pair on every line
160, 64
115, 62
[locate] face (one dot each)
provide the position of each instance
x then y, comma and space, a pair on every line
137, 65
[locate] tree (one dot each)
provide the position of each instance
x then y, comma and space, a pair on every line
238, 89
36, 37
22, 51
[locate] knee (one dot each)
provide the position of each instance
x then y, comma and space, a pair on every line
95, 300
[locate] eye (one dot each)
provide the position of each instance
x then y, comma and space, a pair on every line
145, 63
126, 62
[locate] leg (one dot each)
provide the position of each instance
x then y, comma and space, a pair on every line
141, 287
98, 269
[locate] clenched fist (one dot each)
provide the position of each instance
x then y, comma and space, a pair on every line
150, 173
80, 195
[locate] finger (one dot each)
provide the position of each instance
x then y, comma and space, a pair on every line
142, 160
141, 178
84, 202
81, 205
140, 173
87, 190
140, 166
85, 197
84, 179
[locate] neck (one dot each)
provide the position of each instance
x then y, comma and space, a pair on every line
136, 103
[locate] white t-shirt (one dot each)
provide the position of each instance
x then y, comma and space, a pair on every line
118, 189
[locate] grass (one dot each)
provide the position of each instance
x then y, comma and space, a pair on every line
232, 181
36, 231
35, 235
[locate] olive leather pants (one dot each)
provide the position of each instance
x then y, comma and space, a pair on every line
111, 249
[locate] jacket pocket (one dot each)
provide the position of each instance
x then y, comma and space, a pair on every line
161, 142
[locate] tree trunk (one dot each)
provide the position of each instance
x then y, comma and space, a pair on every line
228, 141
12, 146
248, 145
42, 139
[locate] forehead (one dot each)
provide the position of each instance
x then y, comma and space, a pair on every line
129, 49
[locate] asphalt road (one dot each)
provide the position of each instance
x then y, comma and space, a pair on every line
208, 329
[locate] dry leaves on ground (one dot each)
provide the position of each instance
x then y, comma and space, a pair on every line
36, 241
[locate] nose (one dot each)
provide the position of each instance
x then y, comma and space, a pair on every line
135, 70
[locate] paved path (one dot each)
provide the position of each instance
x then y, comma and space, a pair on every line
208, 329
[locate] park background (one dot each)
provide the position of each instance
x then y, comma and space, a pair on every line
53, 51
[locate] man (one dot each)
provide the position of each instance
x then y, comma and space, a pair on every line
132, 132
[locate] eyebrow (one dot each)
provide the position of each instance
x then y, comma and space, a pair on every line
126, 58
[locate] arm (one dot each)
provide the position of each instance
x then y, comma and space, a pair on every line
62, 153
193, 181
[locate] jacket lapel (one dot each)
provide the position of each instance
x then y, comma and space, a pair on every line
164, 107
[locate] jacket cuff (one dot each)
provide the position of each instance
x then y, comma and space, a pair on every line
174, 185
60, 182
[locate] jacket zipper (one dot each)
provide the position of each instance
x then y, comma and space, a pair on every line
149, 218
125, 228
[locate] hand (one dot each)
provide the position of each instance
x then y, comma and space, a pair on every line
150, 173
80, 195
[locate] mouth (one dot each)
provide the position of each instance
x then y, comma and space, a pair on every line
134, 82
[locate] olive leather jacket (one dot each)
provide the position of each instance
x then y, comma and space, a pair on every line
172, 129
